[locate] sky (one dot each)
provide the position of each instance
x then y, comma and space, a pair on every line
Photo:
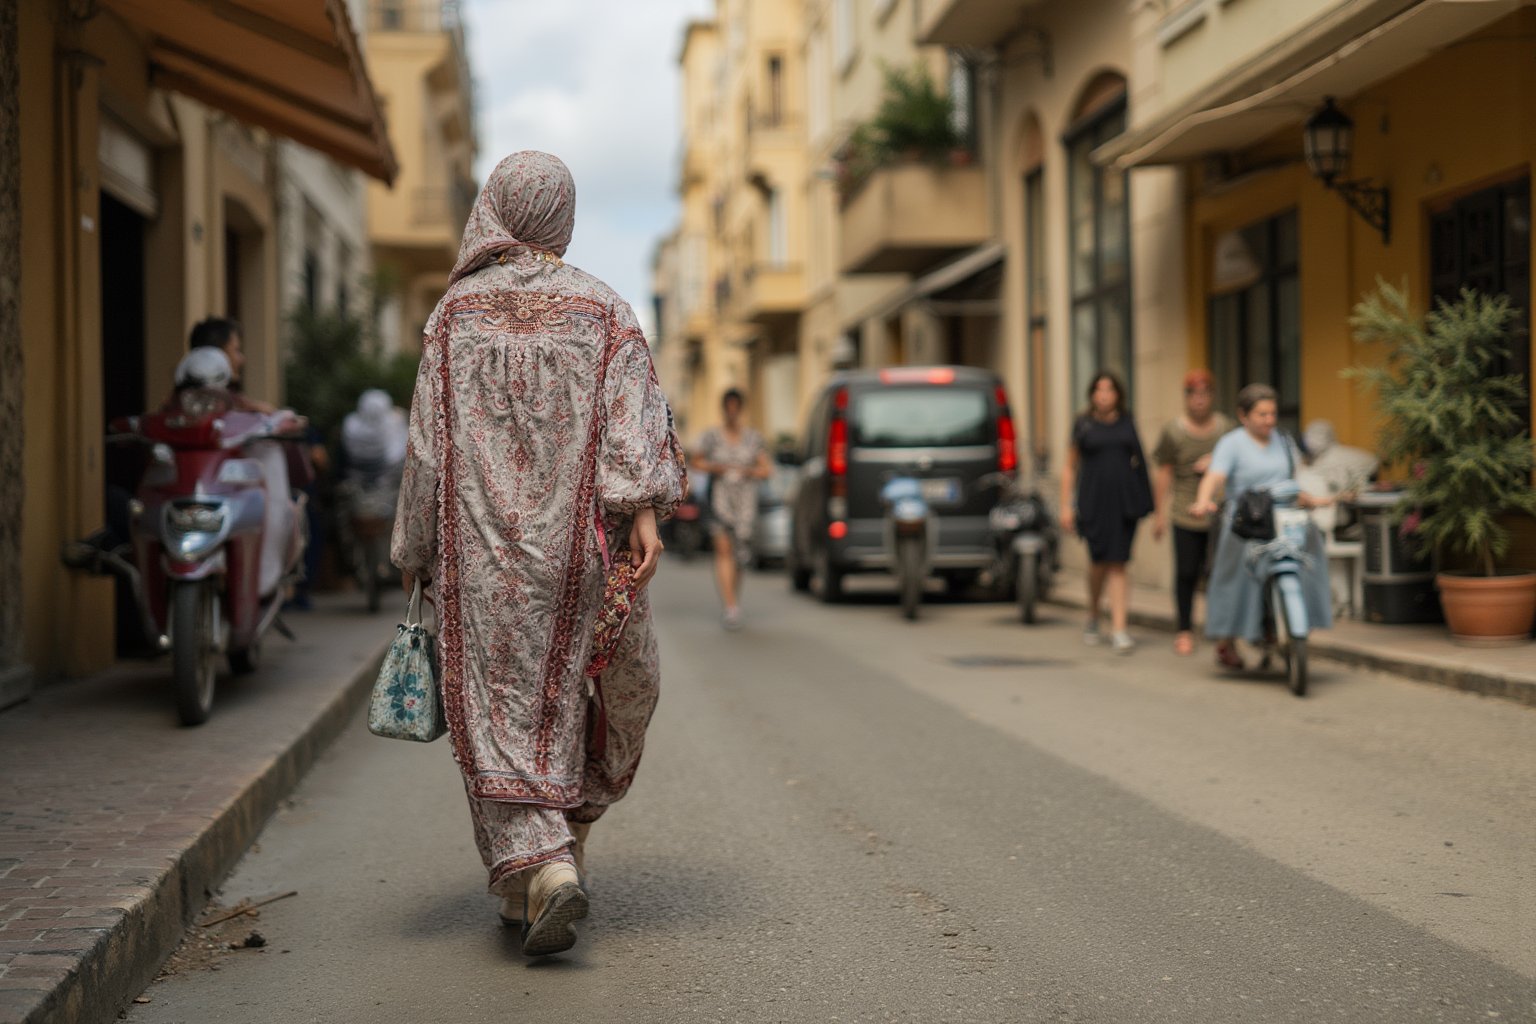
596, 83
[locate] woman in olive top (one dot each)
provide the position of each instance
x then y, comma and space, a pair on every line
1182, 455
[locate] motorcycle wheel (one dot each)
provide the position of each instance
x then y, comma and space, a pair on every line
1028, 588
194, 648
909, 576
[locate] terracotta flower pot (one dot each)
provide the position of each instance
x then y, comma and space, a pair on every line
1489, 611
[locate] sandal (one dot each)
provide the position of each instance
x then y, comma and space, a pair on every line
1226, 655
1184, 644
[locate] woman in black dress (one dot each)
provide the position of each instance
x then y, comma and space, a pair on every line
1105, 492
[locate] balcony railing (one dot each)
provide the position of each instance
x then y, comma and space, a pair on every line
907, 216
442, 207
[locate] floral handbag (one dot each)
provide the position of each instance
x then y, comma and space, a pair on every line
407, 703
620, 591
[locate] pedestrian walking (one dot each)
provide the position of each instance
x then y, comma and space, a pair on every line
539, 440
1182, 455
736, 458
1254, 458
1105, 493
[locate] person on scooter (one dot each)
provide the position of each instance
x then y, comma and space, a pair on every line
223, 334
207, 369
1256, 457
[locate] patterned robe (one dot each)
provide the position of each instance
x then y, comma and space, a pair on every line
536, 410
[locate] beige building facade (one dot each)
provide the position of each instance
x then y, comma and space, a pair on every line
145, 194
417, 52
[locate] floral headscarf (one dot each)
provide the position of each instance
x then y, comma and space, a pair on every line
528, 202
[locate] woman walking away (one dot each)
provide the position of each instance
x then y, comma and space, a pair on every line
1104, 494
1253, 458
539, 443
1183, 454
736, 459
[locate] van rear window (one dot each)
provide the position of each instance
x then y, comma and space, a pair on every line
922, 418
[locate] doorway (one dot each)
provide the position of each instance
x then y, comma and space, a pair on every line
123, 384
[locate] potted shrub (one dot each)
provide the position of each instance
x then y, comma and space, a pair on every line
915, 119
1458, 428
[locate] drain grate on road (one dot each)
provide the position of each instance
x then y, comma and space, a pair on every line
1002, 661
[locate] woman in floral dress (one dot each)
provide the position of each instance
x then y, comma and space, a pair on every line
539, 437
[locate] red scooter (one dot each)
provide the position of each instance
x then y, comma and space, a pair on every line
213, 500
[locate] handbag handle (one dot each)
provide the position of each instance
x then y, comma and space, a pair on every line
413, 608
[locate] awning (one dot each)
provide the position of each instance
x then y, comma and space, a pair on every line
1262, 99
955, 272
293, 67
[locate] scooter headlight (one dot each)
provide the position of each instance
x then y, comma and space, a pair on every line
195, 517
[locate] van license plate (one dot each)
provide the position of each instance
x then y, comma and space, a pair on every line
947, 491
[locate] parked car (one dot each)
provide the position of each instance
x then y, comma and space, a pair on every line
946, 426
770, 531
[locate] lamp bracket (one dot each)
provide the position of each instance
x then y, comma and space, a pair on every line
1372, 202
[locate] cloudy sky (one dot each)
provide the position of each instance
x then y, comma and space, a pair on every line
594, 82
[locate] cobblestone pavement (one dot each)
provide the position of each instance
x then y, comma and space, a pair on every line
114, 820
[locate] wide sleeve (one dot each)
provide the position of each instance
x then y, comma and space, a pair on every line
640, 462
414, 546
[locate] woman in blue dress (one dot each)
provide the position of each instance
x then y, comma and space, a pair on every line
1254, 457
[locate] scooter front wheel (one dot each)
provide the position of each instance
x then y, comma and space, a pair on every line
1292, 646
194, 649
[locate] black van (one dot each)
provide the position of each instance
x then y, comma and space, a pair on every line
948, 426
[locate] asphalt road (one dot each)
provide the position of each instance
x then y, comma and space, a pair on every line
845, 817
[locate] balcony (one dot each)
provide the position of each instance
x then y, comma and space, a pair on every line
978, 23
906, 217
773, 295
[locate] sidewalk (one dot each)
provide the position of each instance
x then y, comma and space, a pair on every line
1424, 653
115, 823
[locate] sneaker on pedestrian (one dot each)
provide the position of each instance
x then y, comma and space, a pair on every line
1091, 636
1122, 643
555, 901
732, 619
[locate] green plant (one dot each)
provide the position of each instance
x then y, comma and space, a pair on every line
915, 118
1449, 419
331, 361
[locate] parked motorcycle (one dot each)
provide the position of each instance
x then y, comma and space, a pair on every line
909, 529
199, 525
1025, 543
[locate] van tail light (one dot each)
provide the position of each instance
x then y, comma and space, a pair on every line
837, 437
1007, 440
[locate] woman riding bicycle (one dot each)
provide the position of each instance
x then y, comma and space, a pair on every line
1255, 457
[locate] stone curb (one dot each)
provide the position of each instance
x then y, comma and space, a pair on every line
127, 957
1440, 672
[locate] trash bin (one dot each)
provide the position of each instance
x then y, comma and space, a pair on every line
1399, 583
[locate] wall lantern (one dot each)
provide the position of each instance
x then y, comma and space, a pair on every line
1327, 141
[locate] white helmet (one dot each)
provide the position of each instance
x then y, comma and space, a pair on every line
204, 367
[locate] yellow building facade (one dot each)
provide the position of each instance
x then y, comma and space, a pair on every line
417, 53
1441, 96
145, 191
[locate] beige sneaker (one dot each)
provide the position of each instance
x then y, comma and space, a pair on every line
514, 900
579, 832
555, 901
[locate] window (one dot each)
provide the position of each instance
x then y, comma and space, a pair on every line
962, 99
817, 75
1255, 314
774, 115
1483, 241
845, 32
922, 418
778, 241
1035, 291
1099, 256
